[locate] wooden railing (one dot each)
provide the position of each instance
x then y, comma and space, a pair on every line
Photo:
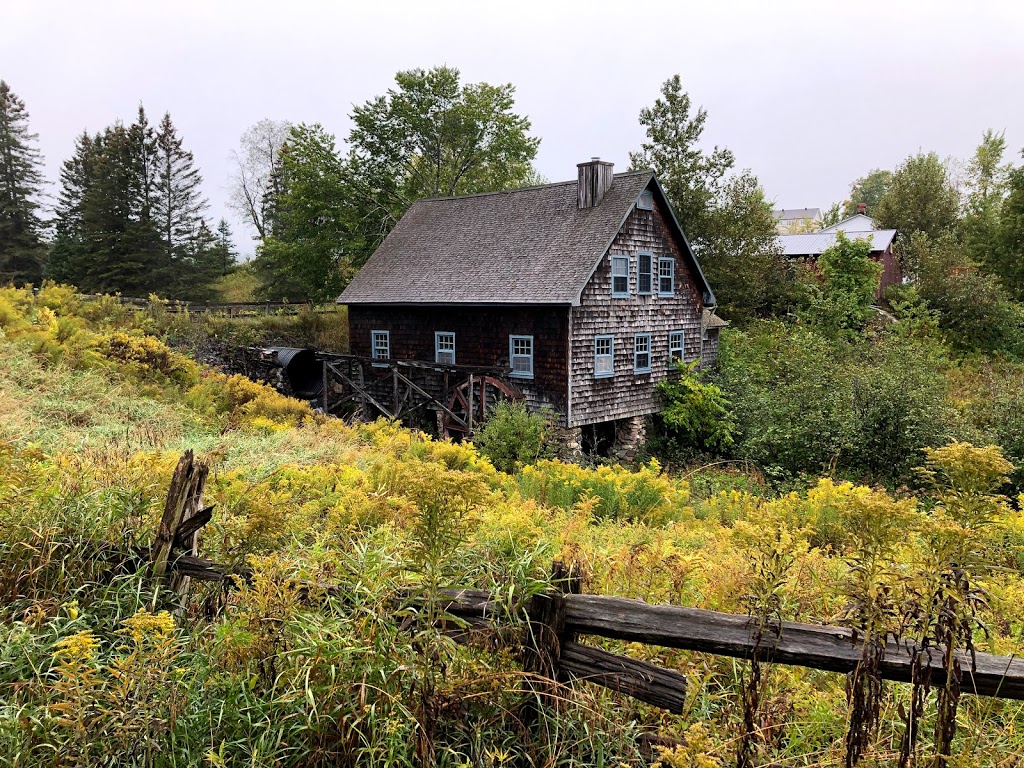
231, 308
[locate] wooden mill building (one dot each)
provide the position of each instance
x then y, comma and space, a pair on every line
582, 292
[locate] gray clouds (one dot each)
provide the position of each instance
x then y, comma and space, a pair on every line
809, 95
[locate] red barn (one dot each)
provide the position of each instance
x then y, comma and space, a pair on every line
811, 245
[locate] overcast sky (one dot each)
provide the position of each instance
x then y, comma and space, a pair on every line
808, 95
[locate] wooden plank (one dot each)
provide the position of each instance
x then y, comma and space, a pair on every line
189, 526
834, 649
664, 688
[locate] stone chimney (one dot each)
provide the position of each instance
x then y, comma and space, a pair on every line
862, 208
595, 179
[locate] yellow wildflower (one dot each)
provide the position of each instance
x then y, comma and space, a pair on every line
145, 624
80, 646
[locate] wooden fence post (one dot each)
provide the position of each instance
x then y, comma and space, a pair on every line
545, 635
182, 518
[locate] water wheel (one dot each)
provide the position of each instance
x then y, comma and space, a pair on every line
479, 395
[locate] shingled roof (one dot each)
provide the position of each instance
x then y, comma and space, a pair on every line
522, 246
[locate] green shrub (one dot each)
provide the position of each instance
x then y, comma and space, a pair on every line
513, 437
696, 411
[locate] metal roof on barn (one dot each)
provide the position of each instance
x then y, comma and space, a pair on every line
815, 243
521, 246
796, 214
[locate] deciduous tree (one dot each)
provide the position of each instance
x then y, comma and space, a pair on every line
726, 218
693, 179
303, 258
431, 136
986, 179
1010, 235
869, 190
252, 184
920, 198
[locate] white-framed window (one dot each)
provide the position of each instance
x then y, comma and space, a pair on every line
644, 267
646, 201
675, 346
620, 276
380, 345
666, 276
642, 353
604, 356
520, 355
444, 347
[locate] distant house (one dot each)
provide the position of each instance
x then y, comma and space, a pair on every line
857, 227
793, 220
584, 292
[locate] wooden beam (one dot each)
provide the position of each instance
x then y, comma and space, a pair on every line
430, 399
189, 526
360, 390
834, 649
653, 685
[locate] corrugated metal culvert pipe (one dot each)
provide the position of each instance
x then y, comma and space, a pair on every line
304, 371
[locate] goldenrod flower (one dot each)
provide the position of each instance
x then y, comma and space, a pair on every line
145, 624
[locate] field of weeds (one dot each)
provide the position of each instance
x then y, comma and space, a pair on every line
99, 667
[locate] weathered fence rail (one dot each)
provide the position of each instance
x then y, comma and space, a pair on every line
551, 652
230, 308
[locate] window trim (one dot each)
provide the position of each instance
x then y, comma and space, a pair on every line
637, 353
650, 273
620, 294
610, 355
373, 347
671, 275
645, 202
681, 348
437, 347
512, 339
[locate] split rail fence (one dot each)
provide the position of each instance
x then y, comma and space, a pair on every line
551, 651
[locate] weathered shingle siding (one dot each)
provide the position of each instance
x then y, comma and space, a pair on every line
481, 338
628, 394
710, 358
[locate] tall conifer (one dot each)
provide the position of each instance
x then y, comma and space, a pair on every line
187, 244
21, 247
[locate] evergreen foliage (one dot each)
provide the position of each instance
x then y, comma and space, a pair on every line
226, 255
22, 251
130, 215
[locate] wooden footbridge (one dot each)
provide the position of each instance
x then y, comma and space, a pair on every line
461, 395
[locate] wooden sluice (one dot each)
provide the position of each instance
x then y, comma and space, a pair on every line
462, 395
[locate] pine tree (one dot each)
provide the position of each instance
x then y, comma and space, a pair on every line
67, 254
107, 239
178, 211
226, 254
122, 245
21, 247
